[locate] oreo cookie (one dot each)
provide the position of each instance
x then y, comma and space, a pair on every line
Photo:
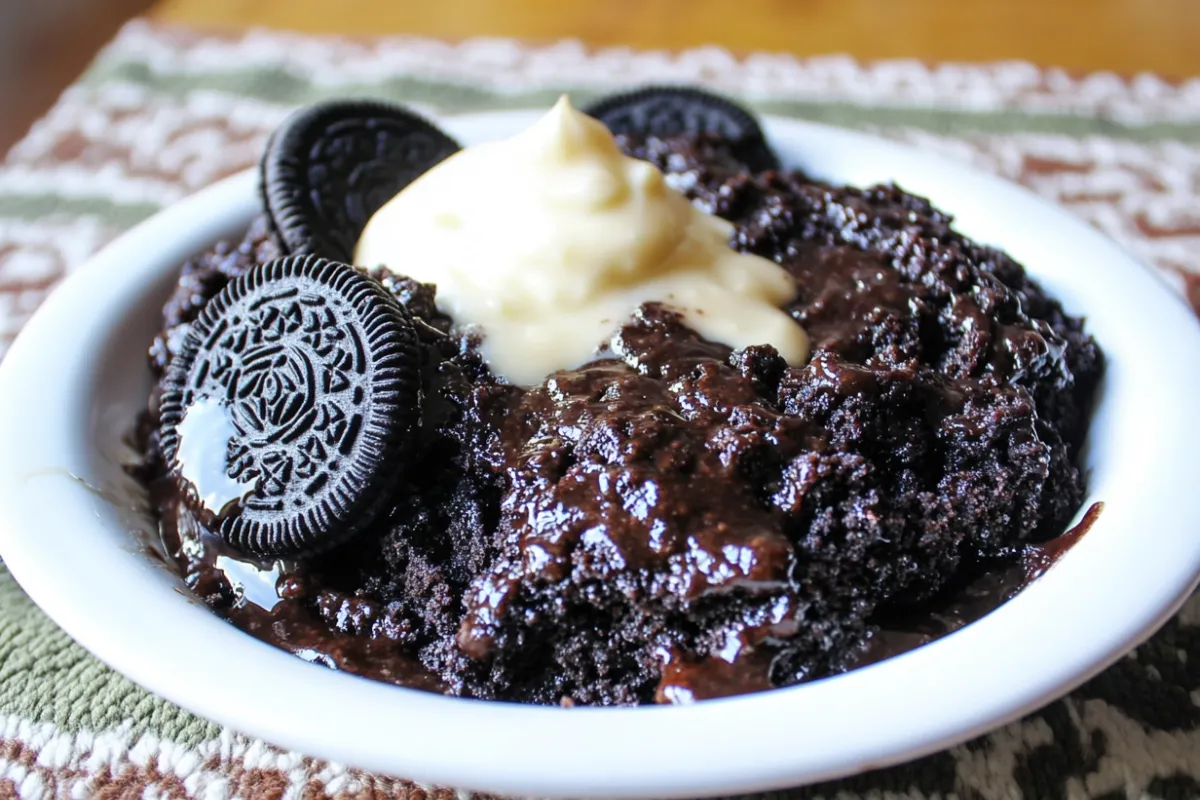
332, 165
290, 406
665, 111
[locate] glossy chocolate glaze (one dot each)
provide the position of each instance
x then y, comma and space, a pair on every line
676, 521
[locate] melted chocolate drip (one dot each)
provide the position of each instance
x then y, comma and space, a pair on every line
974, 600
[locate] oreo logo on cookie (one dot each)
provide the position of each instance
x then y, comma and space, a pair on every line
664, 111
329, 167
288, 410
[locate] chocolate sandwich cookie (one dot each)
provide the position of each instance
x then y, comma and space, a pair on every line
286, 414
669, 111
328, 168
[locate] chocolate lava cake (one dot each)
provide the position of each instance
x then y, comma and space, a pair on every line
676, 520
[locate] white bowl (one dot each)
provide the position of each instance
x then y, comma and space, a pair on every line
72, 384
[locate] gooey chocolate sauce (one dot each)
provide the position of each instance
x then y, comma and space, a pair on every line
973, 599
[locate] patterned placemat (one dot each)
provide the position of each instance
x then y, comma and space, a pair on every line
166, 111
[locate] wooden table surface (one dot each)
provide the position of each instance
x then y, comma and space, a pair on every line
1122, 35
43, 45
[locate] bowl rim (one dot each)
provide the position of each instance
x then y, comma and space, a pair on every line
1109, 593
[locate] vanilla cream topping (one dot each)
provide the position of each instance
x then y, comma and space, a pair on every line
550, 240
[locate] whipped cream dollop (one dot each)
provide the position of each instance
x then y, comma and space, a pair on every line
550, 240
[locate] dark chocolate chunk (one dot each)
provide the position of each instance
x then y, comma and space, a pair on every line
328, 168
668, 111
287, 413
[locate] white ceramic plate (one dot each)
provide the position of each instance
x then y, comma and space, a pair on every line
71, 385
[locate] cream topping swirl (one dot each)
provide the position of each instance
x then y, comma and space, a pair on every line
548, 242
